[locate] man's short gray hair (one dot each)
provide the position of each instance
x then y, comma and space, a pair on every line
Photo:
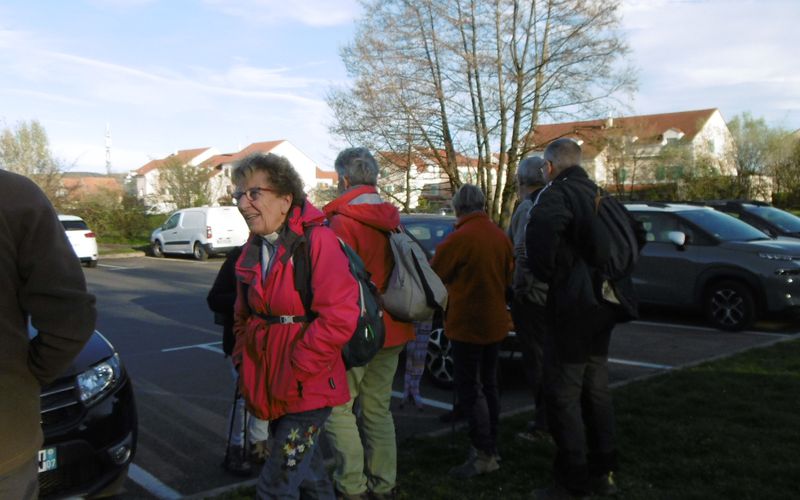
530, 171
563, 153
358, 165
469, 198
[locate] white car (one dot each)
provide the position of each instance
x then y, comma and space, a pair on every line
200, 232
83, 240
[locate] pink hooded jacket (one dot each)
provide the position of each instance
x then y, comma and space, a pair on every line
294, 367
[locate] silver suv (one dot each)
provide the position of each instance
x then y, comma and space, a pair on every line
697, 257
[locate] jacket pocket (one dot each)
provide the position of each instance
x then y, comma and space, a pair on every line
284, 384
253, 379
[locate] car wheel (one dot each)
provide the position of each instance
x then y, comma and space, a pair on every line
200, 252
91, 263
157, 249
730, 306
439, 359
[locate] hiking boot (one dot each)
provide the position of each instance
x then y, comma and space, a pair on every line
604, 485
473, 453
556, 492
479, 463
535, 436
259, 451
236, 464
389, 495
351, 496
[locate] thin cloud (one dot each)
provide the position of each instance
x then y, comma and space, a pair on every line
43, 95
309, 12
697, 54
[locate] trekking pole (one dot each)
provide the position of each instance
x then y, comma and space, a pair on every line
246, 423
232, 417
453, 422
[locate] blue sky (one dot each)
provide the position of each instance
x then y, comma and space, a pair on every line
180, 74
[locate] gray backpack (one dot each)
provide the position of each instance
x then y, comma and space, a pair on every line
414, 291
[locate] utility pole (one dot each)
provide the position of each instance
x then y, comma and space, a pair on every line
108, 149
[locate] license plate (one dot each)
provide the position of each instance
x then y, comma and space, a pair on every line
47, 459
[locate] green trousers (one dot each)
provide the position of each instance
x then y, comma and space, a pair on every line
371, 385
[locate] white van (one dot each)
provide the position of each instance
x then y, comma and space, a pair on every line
200, 231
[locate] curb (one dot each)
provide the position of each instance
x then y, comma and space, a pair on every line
124, 255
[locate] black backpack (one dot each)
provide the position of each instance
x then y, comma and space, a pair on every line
370, 333
623, 244
615, 248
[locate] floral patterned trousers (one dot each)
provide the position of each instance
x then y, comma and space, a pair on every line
295, 463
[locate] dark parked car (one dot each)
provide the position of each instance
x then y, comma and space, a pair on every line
700, 258
90, 425
773, 221
430, 230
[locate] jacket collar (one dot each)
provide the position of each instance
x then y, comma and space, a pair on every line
575, 171
464, 219
362, 192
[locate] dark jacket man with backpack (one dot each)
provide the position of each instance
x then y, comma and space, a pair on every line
567, 248
362, 220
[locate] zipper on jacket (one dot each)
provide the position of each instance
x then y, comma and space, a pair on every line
300, 389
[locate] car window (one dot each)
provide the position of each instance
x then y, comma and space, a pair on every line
192, 219
429, 233
172, 222
784, 220
723, 226
658, 226
74, 225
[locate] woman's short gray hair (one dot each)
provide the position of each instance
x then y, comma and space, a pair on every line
280, 172
469, 198
358, 165
530, 171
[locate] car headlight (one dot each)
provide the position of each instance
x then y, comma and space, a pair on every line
777, 256
98, 379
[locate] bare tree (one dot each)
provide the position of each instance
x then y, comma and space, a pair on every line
183, 185
25, 150
475, 77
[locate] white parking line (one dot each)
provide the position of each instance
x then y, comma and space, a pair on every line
639, 363
152, 484
209, 346
114, 267
704, 328
429, 402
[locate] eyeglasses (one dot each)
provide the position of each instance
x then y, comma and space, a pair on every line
252, 194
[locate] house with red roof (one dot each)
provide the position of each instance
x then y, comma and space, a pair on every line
219, 166
146, 177
417, 177
80, 187
632, 150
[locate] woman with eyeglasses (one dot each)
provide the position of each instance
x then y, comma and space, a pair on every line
290, 363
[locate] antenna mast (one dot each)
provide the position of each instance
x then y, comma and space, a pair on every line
108, 149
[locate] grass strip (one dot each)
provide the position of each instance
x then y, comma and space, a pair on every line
720, 430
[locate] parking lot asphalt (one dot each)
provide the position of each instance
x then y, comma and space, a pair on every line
154, 312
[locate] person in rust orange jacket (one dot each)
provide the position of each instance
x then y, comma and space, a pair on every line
476, 262
363, 220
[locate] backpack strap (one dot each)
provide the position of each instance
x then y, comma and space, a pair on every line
301, 257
